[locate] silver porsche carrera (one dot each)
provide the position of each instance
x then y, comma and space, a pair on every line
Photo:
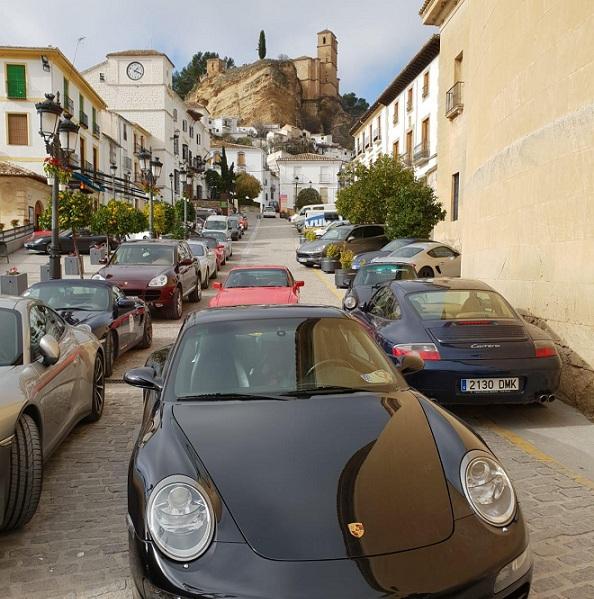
52, 375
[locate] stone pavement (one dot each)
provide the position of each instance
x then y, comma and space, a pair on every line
76, 544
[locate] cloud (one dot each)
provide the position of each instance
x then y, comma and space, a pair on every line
376, 37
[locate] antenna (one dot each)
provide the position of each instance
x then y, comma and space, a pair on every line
78, 41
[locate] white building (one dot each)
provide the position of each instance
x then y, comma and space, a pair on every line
402, 122
325, 145
138, 85
307, 170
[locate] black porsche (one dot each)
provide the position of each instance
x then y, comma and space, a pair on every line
477, 348
306, 468
119, 322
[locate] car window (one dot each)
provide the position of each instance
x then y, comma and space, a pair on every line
408, 251
460, 304
358, 232
375, 274
74, 296
37, 329
144, 254
11, 348
55, 324
263, 277
373, 231
184, 253
337, 233
441, 252
197, 249
379, 301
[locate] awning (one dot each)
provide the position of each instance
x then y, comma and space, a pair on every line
87, 181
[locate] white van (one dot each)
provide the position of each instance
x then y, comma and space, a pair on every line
299, 218
217, 223
320, 218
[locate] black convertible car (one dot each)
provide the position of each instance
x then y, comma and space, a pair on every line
307, 468
476, 347
85, 240
119, 322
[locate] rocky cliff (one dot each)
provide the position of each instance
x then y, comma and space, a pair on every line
269, 91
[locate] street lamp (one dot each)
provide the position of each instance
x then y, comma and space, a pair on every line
113, 168
296, 183
60, 139
183, 177
171, 186
151, 171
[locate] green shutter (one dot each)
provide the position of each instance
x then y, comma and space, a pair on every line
66, 92
15, 81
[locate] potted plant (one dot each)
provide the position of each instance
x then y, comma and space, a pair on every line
13, 282
330, 261
345, 274
14, 223
2, 225
307, 235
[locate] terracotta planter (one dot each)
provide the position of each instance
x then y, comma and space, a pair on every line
13, 284
329, 265
343, 278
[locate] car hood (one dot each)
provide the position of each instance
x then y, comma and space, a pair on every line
294, 474
313, 246
75, 317
252, 295
132, 275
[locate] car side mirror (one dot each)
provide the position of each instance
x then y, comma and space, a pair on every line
125, 304
217, 285
411, 363
49, 349
350, 238
143, 378
299, 284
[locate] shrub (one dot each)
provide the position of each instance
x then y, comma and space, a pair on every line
346, 259
14, 222
310, 235
332, 251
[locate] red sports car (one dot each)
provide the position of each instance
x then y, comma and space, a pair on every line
257, 285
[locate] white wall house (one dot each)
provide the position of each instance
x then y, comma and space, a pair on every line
307, 170
138, 85
403, 120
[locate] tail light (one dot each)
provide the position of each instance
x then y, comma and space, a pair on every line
544, 349
427, 351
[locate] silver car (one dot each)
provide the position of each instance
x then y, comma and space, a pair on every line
206, 258
53, 376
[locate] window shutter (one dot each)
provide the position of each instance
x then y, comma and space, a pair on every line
16, 85
18, 134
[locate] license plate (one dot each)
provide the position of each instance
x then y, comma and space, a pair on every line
499, 385
302, 259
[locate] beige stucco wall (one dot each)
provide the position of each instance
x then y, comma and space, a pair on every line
526, 150
17, 194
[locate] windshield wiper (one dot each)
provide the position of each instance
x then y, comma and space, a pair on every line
325, 390
232, 396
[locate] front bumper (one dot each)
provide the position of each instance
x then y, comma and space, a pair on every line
309, 259
155, 297
441, 380
465, 566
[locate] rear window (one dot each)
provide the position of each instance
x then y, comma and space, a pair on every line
460, 304
11, 349
197, 249
406, 252
375, 274
264, 277
216, 224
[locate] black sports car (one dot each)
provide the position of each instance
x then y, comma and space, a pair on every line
85, 240
476, 347
119, 322
307, 468
372, 276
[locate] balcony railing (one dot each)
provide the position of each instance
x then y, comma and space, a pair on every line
421, 153
454, 103
69, 104
406, 158
127, 163
96, 129
83, 119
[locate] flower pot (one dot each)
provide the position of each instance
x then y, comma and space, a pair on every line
50, 180
343, 278
329, 265
71, 265
44, 273
13, 284
97, 255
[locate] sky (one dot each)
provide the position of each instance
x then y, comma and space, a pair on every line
375, 37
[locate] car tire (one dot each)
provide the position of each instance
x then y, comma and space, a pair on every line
98, 390
196, 293
110, 352
147, 331
426, 273
26, 474
175, 310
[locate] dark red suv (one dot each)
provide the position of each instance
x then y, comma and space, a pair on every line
161, 272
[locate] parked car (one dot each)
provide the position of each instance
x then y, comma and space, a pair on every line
321, 231
476, 348
269, 212
235, 225
244, 221
299, 218
309, 460
218, 247
53, 376
216, 224
357, 238
207, 261
257, 285
430, 259
140, 235
204, 213
119, 322
162, 272
395, 244
85, 240
370, 277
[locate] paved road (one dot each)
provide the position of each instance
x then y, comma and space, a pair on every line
75, 546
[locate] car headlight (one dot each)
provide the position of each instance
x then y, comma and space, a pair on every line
98, 277
158, 281
350, 302
488, 488
180, 518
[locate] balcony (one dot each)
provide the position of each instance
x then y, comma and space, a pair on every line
68, 105
96, 130
425, 90
127, 163
421, 153
454, 104
409, 106
83, 119
87, 167
137, 147
406, 159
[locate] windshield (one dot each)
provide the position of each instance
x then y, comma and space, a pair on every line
406, 252
216, 225
197, 249
263, 277
337, 233
72, 296
460, 304
218, 236
11, 351
375, 274
279, 356
144, 254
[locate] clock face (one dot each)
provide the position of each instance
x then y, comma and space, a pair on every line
135, 71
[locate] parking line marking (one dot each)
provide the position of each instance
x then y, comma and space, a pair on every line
328, 284
533, 451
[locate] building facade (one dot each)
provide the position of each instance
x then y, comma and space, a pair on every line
402, 122
516, 170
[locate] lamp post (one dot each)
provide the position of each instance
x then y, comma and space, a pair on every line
171, 186
183, 177
151, 171
60, 137
296, 183
113, 168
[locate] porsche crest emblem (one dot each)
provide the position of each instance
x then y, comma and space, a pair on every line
357, 529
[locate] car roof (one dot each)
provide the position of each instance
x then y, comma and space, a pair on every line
153, 241
440, 284
262, 312
424, 244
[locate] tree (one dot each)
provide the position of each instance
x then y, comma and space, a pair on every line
186, 79
213, 183
163, 217
306, 196
387, 191
247, 187
179, 210
118, 218
262, 45
227, 173
354, 105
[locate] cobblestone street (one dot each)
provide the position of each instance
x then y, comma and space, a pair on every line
76, 544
